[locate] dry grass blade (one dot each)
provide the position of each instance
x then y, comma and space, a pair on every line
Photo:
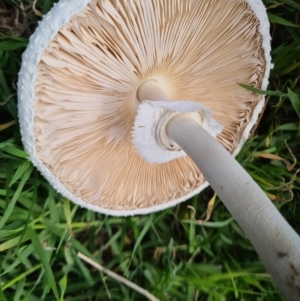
12, 20
273, 157
118, 277
7, 125
289, 165
37, 12
210, 207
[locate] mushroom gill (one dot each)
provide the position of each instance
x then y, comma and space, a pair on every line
86, 83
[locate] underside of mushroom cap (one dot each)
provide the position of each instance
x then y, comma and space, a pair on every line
78, 85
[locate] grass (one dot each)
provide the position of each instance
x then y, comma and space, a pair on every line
164, 253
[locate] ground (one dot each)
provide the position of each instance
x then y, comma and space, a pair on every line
165, 253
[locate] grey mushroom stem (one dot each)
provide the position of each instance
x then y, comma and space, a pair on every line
276, 242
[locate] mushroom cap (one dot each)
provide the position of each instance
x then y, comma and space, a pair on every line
80, 74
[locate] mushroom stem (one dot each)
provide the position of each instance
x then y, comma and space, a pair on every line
277, 244
151, 90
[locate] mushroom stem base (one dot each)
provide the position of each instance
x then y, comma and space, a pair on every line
275, 241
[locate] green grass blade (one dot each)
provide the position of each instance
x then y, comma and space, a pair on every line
294, 98
11, 45
63, 287
211, 224
292, 3
258, 91
278, 20
12, 203
140, 237
41, 253
15, 151
2, 296
20, 277
20, 171
20, 290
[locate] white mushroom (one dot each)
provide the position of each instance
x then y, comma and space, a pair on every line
82, 81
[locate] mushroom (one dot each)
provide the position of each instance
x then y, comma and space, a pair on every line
86, 73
